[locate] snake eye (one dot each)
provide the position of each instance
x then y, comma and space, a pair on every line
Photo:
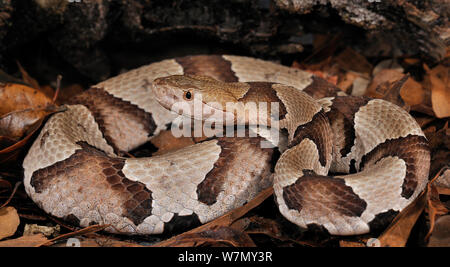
187, 95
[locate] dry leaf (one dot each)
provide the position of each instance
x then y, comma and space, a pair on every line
19, 97
399, 230
22, 106
11, 152
439, 142
166, 142
225, 220
320, 69
443, 181
349, 59
412, 92
22, 112
438, 79
46, 90
351, 244
24, 241
434, 207
217, 236
346, 82
384, 76
9, 221
441, 234
27, 78
387, 85
271, 228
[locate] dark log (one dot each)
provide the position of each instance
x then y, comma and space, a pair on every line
86, 34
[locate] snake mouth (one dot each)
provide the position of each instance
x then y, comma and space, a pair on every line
165, 94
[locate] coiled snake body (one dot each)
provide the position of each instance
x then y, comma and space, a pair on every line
73, 171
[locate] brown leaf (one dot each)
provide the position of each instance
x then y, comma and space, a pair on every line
166, 142
10, 153
22, 112
441, 234
412, 92
320, 69
399, 230
21, 107
387, 85
349, 59
27, 78
217, 236
346, 82
225, 220
351, 244
25, 241
434, 207
268, 227
6, 78
15, 125
9, 221
383, 76
16, 97
443, 182
439, 142
438, 79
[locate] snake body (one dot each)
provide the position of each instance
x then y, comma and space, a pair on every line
73, 171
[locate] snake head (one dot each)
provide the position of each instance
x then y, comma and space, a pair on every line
176, 88
198, 97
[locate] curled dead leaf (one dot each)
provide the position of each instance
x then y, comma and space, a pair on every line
9, 221
438, 81
22, 112
217, 236
443, 182
435, 207
22, 106
441, 234
27, 78
20, 97
24, 241
387, 85
397, 233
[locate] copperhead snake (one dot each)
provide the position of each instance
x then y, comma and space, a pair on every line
376, 149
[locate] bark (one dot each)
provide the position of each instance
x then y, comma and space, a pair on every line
83, 32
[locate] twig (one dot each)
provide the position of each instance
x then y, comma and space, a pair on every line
12, 194
88, 230
58, 86
225, 220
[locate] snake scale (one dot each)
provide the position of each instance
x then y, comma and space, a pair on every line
348, 164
